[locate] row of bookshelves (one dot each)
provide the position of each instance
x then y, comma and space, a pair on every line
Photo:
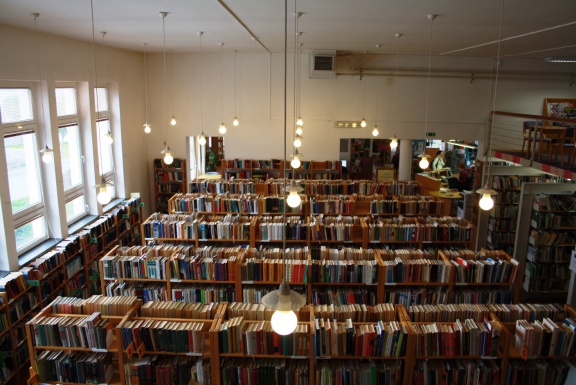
228, 343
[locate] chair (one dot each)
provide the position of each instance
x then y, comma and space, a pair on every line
551, 137
569, 146
528, 135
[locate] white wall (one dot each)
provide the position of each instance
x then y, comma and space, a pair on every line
458, 108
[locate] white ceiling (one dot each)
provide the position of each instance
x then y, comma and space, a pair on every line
530, 28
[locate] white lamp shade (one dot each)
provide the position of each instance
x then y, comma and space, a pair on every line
103, 197
284, 322
486, 202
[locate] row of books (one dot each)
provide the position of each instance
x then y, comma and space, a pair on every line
182, 226
74, 367
548, 202
218, 203
170, 188
349, 271
91, 332
74, 265
551, 238
265, 371
337, 205
162, 370
149, 291
293, 229
406, 254
227, 227
168, 176
254, 293
496, 238
356, 312
259, 312
22, 306
485, 296
548, 254
13, 284
355, 372
437, 372
417, 270
108, 306
539, 372
380, 232
460, 338
272, 270
545, 338
203, 293
197, 267
236, 186
342, 253
146, 266
382, 339
164, 335
333, 231
43, 265
389, 187
504, 210
344, 297
175, 309
546, 220
502, 224
490, 270
416, 296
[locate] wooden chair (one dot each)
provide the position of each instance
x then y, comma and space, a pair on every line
550, 137
530, 135
569, 146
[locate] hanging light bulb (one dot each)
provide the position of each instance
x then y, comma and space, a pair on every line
173, 121
296, 163
222, 128
299, 130
104, 195
235, 122
147, 128
107, 139
168, 155
202, 140
363, 123
298, 141
486, 202
47, 154
424, 161
299, 122
394, 142
293, 199
375, 131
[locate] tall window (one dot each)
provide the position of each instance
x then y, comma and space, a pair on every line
71, 154
24, 176
103, 128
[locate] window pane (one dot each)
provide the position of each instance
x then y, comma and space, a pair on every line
101, 99
70, 150
23, 173
30, 232
104, 147
75, 208
66, 101
16, 105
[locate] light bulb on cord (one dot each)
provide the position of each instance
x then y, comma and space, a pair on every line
222, 128
47, 154
424, 162
394, 142
375, 131
298, 141
103, 196
299, 130
363, 123
235, 122
295, 163
173, 121
299, 122
168, 155
486, 202
108, 138
147, 128
284, 322
293, 199
202, 140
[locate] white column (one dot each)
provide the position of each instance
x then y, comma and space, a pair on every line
405, 165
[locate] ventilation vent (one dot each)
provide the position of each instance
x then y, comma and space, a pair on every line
322, 64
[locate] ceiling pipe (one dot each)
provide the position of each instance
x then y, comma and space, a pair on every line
239, 21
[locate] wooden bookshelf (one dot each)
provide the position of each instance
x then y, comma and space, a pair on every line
169, 179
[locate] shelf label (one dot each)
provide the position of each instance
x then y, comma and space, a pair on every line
194, 354
573, 261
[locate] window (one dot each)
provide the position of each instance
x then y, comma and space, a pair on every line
103, 128
72, 161
22, 164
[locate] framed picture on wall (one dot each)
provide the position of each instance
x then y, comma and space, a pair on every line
559, 108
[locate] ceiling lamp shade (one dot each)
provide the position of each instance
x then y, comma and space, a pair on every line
283, 301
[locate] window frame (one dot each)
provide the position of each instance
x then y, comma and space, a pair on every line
105, 115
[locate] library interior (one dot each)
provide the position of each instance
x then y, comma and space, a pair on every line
288, 192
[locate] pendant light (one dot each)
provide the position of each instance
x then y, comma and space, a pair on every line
147, 127
284, 301
167, 152
47, 152
202, 139
425, 158
487, 202
296, 163
173, 120
107, 139
235, 122
298, 141
222, 129
363, 122
375, 131
394, 139
103, 188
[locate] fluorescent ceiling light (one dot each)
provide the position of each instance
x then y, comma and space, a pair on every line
560, 59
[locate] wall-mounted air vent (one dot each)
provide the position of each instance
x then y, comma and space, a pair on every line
322, 64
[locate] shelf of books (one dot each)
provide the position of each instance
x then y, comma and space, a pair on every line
269, 169
169, 179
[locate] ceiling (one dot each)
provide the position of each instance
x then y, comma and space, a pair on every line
529, 28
